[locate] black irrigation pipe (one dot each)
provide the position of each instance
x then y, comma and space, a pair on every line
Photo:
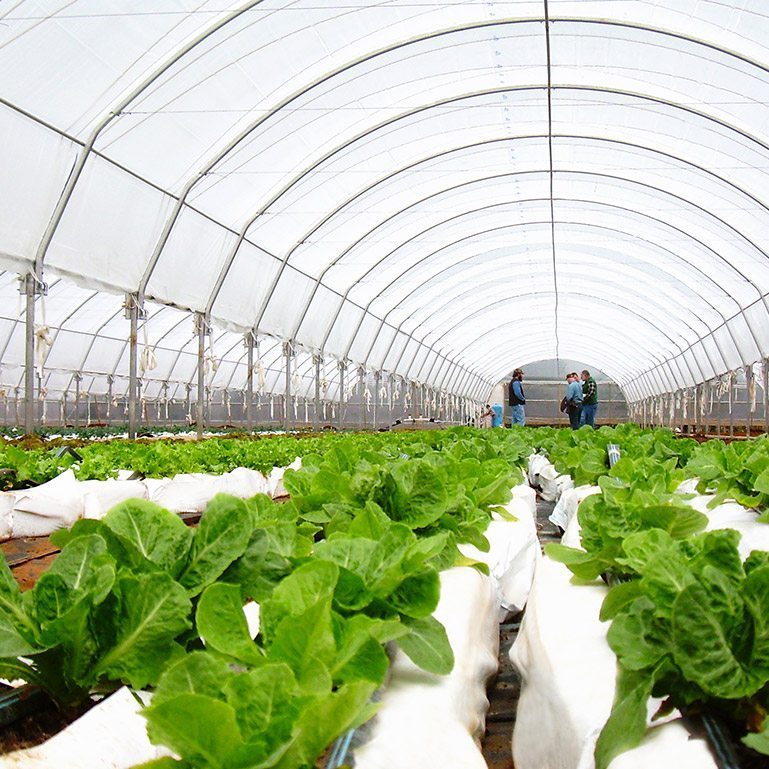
21, 701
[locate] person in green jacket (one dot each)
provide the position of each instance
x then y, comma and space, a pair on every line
589, 399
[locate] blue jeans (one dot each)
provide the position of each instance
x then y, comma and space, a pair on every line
588, 414
519, 417
574, 414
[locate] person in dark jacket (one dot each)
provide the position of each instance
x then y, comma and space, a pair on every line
516, 398
589, 399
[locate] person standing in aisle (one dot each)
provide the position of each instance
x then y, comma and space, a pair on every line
573, 399
516, 398
589, 399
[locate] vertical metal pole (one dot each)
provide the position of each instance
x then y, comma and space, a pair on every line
29, 355
718, 410
287, 388
110, 382
78, 378
342, 367
414, 404
748, 400
249, 341
200, 322
316, 418
363, 405
765, 372
732, 395
377, 386
132, 310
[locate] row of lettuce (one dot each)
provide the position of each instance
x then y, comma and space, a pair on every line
352, 562
349, 564
689, 618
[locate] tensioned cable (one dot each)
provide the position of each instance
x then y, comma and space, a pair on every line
550, 153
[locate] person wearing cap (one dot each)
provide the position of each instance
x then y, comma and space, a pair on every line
516, 398
573, 399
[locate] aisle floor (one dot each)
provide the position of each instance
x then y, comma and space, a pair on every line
506, 687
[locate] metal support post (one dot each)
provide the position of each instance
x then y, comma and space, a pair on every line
248, 340
110, 383
28, 288
363, 404
287, 388
749, 398
765, 373
133, 311
732, 395
340, 416
316, 359
201, 326
30, 285
718, 409
78, 377
377, 387
414, 405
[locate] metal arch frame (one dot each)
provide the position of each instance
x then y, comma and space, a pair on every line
519, 224
459, 291
673, 255
60, 327
347, 143
179, 54
718, 256
135, 92
662, 222
473, 146
599, 352
219, 24
275, 109
585, 296
680, 288
503, 227
599, 139
220, 155
18, 320
725, 324
511, 298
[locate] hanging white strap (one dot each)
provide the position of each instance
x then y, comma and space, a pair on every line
272, 407
367, 399
296, 382
261, 379
750, 379
210, 361
147, 360
42, 395
730, 385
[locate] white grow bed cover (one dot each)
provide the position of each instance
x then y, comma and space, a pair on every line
568, 680
436, 721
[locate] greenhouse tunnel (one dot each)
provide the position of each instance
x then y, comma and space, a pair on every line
277, 209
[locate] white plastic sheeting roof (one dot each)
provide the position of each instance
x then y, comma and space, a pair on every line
440, 190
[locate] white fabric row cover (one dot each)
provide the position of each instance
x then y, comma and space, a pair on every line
407, 186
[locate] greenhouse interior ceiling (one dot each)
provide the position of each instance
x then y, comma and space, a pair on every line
277, 194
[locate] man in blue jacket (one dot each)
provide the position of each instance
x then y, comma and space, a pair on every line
573, 399
516, 398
